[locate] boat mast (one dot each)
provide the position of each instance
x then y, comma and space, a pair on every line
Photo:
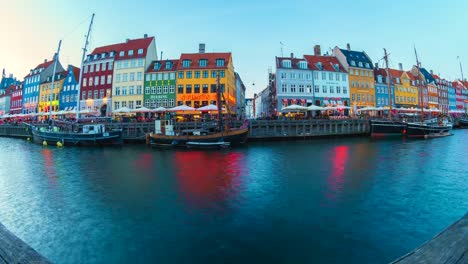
421, 98
56, 56
389, 80
81, 70
461, 69
218, 103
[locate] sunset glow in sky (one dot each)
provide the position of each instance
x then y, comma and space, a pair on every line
251, 30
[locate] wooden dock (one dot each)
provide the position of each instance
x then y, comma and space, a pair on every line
14, 250
448, 247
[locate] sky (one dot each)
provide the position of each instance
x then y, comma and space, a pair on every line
252, 30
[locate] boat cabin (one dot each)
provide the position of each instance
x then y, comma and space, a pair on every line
94, 129
194, 132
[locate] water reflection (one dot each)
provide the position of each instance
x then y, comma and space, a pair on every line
339, 158
208, 178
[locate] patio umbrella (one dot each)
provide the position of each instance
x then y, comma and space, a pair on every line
294, 108
330, 108
343, 107
141, 110
122, 110
210, 107
181, 108
314, 108
159, 109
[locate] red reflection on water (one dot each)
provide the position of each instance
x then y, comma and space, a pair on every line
336, 178
207, 178
144, 161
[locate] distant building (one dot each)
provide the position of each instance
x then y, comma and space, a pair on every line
458, 85
16, 92
249, 111
382, 98
130, 65
5, 98
46, 101
452, 99
7, 81
442, 93
160, 84
240, 97
261, 104
410, 89
361, 75
69, 93
430, 85
33, 80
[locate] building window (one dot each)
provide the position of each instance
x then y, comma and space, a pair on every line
130, 53
104, 66
97, 67
213, 88
181, 75
91, 69
103, 79
132, 76
153, 90
332, 90
140, 51
345, 90
205, 88
111, 66
221, 74
309, 89
219, 62
316, 89
286, 63
90, 81
186, 63
284, 88
131, 90
96, 80
301, 88
125, 77
117, 78
324, 88
338, 89
84, 82
85, 71
188, 88
205, 74
139, 76
159, 89
203, 63
189, 75
180, 89
196, 88
315, 75
171, 102
109, 79
116, 105
95, 94
197, 74
147, 103
324, 75
213, 74
293, 88
147, 90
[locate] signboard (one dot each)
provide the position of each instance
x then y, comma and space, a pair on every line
196, 97
161, 96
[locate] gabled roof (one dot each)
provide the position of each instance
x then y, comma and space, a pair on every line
294, 63
328, 63
44, 65
211, 57
106, 49
357, 56
427, 75
62, 75
411, 76
76, 72
163, 66
135, 45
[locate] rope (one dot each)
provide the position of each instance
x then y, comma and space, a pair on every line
74, 29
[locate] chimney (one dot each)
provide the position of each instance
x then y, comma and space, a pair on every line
400, 66
45, 60
317, 51
432, 72
127, 40
145, 35
348, 46
292, 55
201, 48
376, 65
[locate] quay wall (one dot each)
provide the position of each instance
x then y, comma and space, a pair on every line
258, 129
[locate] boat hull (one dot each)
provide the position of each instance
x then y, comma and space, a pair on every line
113, 137
232, 137
382, 128
423, 130
463, 123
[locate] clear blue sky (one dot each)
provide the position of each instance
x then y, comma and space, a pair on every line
251, 30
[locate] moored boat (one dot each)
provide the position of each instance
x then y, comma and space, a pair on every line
427, 128
463, 122
386, 128
90, 135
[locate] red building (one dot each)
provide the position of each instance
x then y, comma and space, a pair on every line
16, 98
96, 82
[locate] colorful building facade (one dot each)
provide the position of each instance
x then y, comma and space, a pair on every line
69, 93
330, 86
382, 98
130, 64
33, 80
361, 75
16, 92
197, 75
46, 102
410, 89
458, 94
240, 96
160, 84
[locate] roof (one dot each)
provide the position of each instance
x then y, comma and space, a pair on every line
106, 49
294, 63
76, 72
211, 57
411, 76
44, 65
427, 75
357, 56
135, 45
328, 63
162, 68
62, 74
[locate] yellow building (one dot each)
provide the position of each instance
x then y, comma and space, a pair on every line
131, 61
361, 75
197, 77
46, 88
407, 92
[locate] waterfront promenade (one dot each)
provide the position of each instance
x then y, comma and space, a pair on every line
14, 250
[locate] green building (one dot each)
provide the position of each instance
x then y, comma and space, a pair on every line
160, 83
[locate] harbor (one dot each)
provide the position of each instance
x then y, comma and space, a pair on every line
333, 200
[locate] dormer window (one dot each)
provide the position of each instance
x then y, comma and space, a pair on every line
219, 62
89, 58
353, 63
140, 51
112, 53
186, 63
337, 67
360, 64
130, 53
96, 56
302, 65
122, 53
103, 55
379, 78
157, 65
398, 80
203, 63
286, 64
319, 65
168, 65
367, 65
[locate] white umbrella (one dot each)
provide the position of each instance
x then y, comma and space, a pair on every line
294, 108
181, 108
159, 109
343, 107
315, 107
210, 107
330, 108
367, 108
122, 110
141, 110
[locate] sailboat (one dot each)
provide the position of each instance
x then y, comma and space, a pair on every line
218, 136
72, 134
435, 127
389, 127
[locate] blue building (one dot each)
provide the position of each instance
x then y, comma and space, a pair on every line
32, 81
7, 81
69, 93
381, 88
452, 99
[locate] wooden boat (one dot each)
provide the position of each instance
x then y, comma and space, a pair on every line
385, 128
437, 135
90, 135
463, 122
196, 138
427, 128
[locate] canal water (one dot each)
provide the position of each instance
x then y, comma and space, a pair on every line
349, 200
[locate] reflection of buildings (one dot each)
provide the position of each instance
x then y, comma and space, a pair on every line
339, 158
207, 178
